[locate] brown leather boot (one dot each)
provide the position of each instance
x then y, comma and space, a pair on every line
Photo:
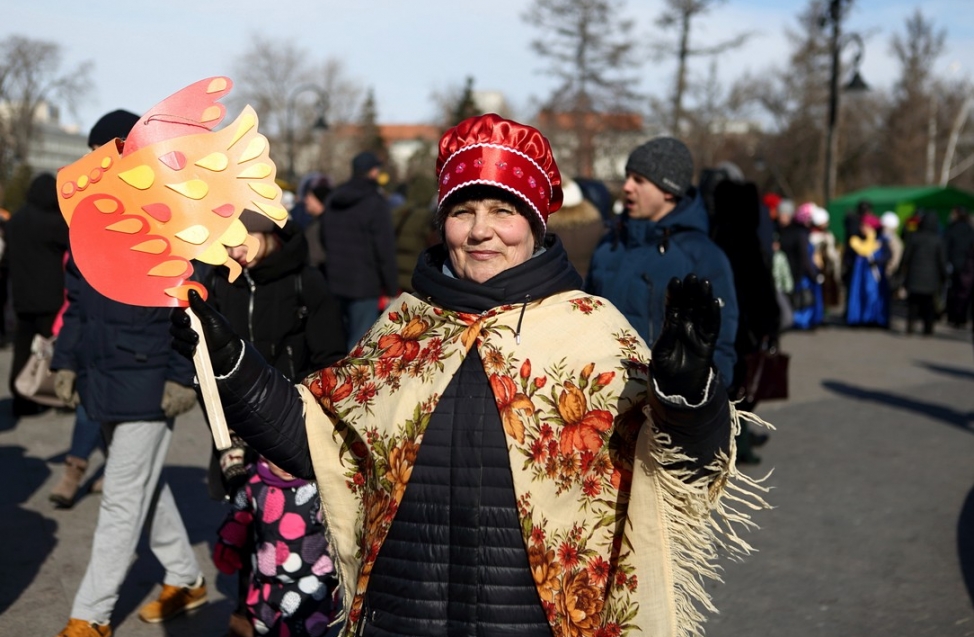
62, 495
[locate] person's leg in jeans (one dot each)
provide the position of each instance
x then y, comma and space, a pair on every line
86, 435
85, 438
359, 316
136, 454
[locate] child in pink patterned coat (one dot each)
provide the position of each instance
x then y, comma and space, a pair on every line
276, 523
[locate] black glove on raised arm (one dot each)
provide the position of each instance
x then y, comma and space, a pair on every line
222, 342
683, 355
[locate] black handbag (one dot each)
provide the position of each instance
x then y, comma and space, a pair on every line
767, 375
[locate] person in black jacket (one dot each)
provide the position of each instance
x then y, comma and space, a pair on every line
483, 455
359, 241
923, 271
36, 242
283, 307
280, 303
958, 240
737, 207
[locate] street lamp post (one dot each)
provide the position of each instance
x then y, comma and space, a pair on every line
319, 124
837, 41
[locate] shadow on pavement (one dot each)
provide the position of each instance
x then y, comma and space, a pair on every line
959, 372
965, 543
961, 420
28, 536
7, 419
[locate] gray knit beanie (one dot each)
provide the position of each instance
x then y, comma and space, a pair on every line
666, 162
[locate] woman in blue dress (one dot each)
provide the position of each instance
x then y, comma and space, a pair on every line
868, 287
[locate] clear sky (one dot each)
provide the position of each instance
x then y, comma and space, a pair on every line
405, 50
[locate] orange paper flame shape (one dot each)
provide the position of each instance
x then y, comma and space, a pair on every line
138, 211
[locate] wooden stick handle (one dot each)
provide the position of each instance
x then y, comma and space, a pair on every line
211, 395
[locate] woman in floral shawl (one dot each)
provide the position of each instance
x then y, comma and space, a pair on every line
499, 454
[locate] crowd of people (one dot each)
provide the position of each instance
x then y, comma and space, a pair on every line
561, 385
884, 260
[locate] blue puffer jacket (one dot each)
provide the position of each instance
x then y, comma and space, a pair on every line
632, 267
121, 353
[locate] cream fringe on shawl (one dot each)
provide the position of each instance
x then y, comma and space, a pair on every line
702, 517
699, 515
676, 524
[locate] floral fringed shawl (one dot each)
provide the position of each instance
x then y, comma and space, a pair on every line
618, 538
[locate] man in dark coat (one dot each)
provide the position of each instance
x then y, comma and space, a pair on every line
359, 240
923, 271
663, 234
36, 241
958, 240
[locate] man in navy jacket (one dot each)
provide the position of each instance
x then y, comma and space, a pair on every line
116, 359
663, 234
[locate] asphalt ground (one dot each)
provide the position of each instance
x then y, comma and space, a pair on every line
872, 531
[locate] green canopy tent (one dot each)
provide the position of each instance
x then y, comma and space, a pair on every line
903, 200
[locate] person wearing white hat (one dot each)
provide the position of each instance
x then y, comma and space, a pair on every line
826, 256
891, 223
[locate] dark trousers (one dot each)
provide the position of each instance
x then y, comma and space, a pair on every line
919, 306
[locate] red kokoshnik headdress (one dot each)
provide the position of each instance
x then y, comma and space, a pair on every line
492, 151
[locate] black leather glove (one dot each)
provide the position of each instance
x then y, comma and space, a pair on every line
222, 342
683, 355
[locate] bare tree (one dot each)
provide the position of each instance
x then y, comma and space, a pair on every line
795, 98
290, 90
912, 124
344, 94
265, 75
679, 15
30, 75
589, 48
959, 100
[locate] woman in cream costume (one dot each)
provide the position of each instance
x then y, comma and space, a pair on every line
500, 454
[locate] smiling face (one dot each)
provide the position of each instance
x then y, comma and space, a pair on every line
484, 237
644, 199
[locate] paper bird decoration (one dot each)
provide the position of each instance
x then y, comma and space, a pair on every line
138, 211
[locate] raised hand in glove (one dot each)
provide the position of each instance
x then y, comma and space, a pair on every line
177, 399
683, 355
64, 387
223, 344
